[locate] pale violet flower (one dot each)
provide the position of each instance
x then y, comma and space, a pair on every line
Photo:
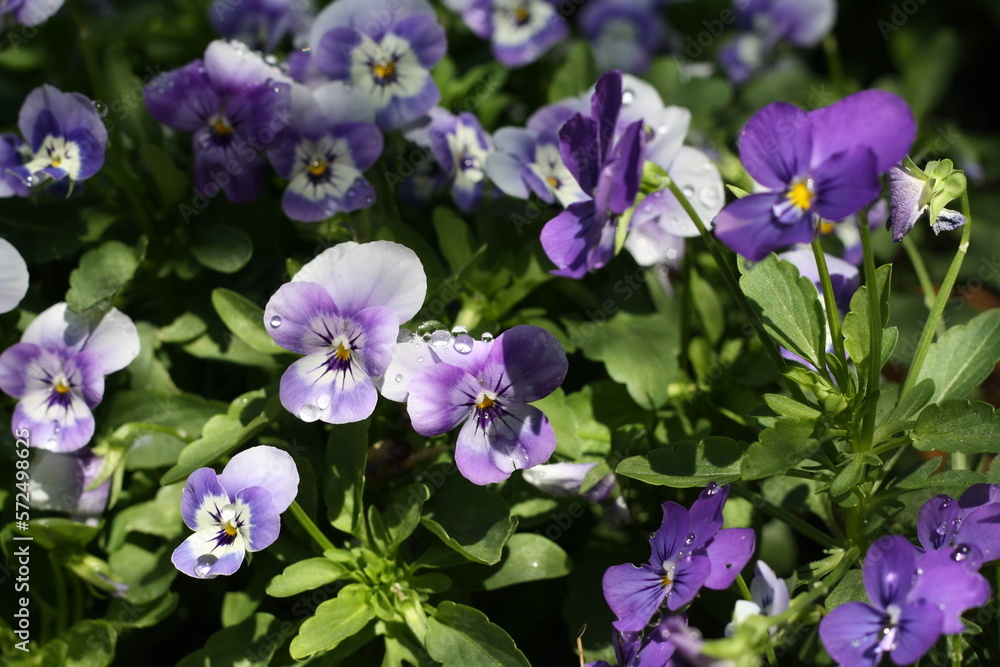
520, 31
13, 277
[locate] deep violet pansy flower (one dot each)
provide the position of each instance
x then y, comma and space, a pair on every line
13, 277
973, 519
914, 600
57, 371
323, 152
624, 33
235, 103
608, 169
488, 391
261, 24
690, 550
520, 31
14, 152
385, 48
65, 135
651, 649
236, 512
343, 310
30, 12
818, 164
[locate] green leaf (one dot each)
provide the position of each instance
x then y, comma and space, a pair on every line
576, 75
305, 575
160, 516
186, 327
222, 248
526, 557
104, 273
148, 574
789, 407
172, 183
969, 427
56, 532
708, 306
251, 643
453, 238
335, 620
903, 416
857, 323
247, 416
473, 520
850, 589
572, 418
402, 517
848, 477
687, 464
460, 636
640, 351
788, 306
245, 319
963, 357
90, 643
780, 447
346, 454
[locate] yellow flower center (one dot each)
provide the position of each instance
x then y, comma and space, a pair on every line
801, 196
521, 15
343, 353
826, 227
485, 403
385, 69
317, 168
61, 387
56, 162
666, 580
230, 528
222, 127
553, 182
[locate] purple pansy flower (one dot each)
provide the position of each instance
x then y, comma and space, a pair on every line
520, 31
385, 48
323, 152
488, 389
566, 479
460, 146
690, 550
818, 164
14, 152
910, 194
57, 371
261, 23
609, 169
234, 103
13, 277
65, 135
59, 483
526, 162
30, 12
974, 519
624, 33
235, 513
768, 597
343, 310
914, 601
652, 649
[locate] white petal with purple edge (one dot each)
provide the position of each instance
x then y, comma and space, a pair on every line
200, 556
489, 450
13, 277
267, 467
312, 391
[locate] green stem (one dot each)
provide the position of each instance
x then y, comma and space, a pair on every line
833, 62
830, 301
727, 273
927, 335
324, 543
62, 601
920, 268
875, 331
806, 529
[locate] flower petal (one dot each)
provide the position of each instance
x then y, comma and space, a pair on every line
311, 390
300, 317
441, 398
748, 226
526, 363
267, 467
729, 551
257, 516
775, 145
949, 586
200, 557
634, 595
519, 438
845, 184
889, 570
919, 628
936, 523
873, 119
851, 634
202, 499
13, 277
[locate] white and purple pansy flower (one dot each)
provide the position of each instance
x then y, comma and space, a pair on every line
234, 103
461, 147
487, 390
623, 33
65, 135
59, 483
520, 31
13, 277
30, 12
323, 155
57, 371
525, 163
14, 152
261, 24
385, 48
235, 513
343, 310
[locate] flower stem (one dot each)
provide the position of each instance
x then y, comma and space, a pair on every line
62, 601
324, 543
920, 268
927, 335
833, 62
806, 529
727, 273
875, 331
830, 301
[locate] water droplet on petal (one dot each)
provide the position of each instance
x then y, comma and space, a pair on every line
662, 129
369, 200
709, 196
204, 565
856, 643
275, 321
309, 413
712, 488
942, 529
440, 338
404, 336
946, 503
690, 538
463, 344
428, 327
323, 402
961, 552
399, 377
628, 97
487, 337
101, 108
420, 360
458, 330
